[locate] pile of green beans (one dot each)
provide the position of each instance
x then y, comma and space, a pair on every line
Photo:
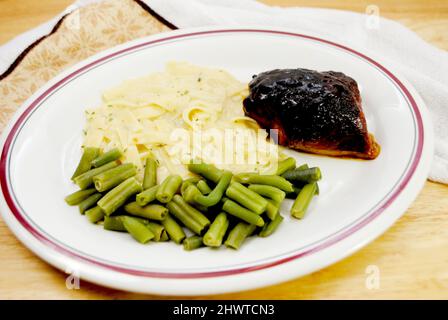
211, 209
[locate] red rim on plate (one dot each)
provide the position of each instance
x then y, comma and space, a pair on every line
20, 217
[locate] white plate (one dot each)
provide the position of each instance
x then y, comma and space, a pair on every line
359, 199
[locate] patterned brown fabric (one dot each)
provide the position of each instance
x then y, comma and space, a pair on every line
79, 35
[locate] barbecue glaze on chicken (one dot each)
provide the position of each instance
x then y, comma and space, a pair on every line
317, 112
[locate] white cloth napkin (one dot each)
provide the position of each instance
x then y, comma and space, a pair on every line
425, 66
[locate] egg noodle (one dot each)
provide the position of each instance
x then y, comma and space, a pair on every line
183, 113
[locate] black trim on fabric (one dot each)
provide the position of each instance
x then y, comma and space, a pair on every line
155, 14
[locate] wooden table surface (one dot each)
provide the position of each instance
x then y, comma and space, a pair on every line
412, 256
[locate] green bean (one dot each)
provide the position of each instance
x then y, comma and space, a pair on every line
199, 207
293, 195
185, 218
147, 196
238, 211
164, 236
238, 234
89, 202
183, 188
142, 220
215, 234
268, 191
303, 175
173, 229
150, 175
203, 187
157, 229
188, 182
192, 243
247, 198
116, 197
192, 212
303, 200
270, 180
168, 188
270, 227
193, 195
302, 167
85, 164
151, 211
109, 156
113, 177
247, 192
272, 210
78, 196
285, 165
95, 214
86, 179
208, 171
115, 223
137, 229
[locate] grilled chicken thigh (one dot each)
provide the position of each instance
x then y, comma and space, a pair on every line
317, 112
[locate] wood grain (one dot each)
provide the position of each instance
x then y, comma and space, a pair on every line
412, 256
429, 19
